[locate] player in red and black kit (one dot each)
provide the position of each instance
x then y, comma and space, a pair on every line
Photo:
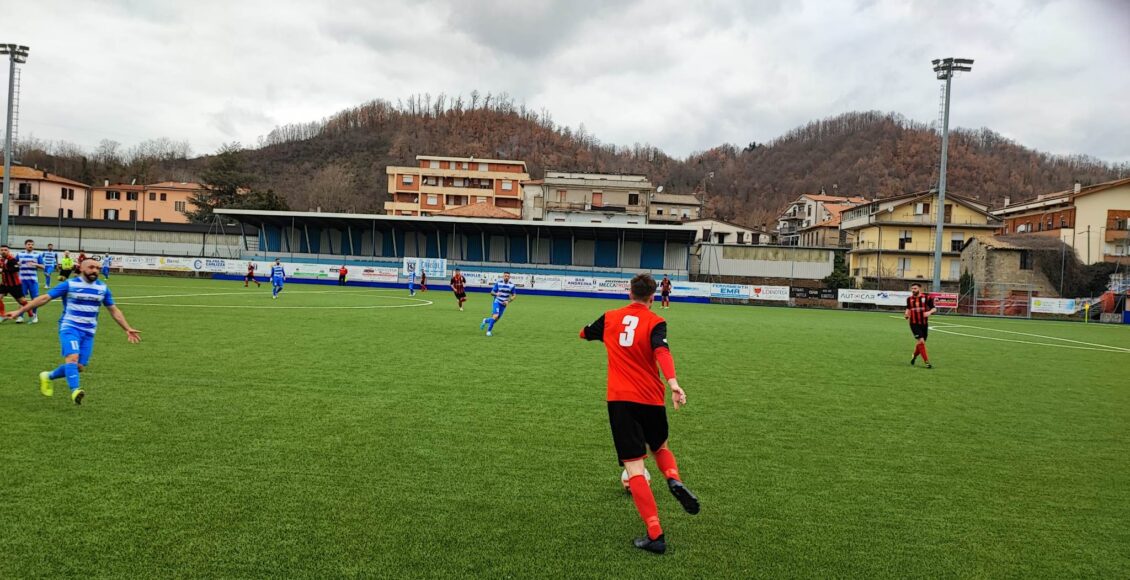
250, 275
665, 291
459, 287
919, 309
636, 340
10, 279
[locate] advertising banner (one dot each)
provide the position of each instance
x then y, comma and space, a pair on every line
612, 285
696, 289
777, 293
944, 299
876, 297
578, 284
435, 267
1053, 305
733, 291
373, 274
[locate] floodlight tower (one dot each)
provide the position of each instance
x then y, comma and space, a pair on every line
944, 68
17, 54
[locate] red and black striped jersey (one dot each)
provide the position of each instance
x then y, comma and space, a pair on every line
458, 283
917, 306
11, 271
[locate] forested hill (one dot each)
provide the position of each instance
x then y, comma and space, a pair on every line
338, 164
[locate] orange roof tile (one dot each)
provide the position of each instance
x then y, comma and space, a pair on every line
478, 210
33, 174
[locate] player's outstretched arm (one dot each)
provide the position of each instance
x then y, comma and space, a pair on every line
38, 302
594, 331
662, 353
132, 334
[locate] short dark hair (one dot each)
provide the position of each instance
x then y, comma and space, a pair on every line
29, 242
506, 272
643, 286
915, 284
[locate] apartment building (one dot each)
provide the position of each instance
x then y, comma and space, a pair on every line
564, 196
894, 237
807, 211
439, 184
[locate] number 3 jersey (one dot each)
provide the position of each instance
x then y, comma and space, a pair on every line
632, 335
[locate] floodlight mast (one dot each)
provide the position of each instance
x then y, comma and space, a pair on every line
944, 68
17, 54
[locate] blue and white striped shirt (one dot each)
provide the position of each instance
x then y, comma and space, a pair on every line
82, 301
28, 260
278, 272
503, 291
50, 259
107, 261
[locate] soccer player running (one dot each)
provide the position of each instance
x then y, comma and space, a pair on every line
423, 280
250, 277
636, 340
31, 262
341, 274
278, 278
665, 292
10, 280
503, 292
412, 282
459, 287
919, 309
50, 260
107, 261
82, 298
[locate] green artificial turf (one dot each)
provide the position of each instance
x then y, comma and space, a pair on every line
298, 438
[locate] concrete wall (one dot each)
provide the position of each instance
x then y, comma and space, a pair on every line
120, 241
764, 261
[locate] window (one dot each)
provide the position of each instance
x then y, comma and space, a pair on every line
70, 213
62, 192
458, 182
180, 206
484, 167
658, 211
507, 185
110, 214
433, 200
1050, 222
113, 195
152, 196
480, 199
633, 199
1120, 223
1062, 221
466, 165
131, 196
133, 215
406, 180
921, 209
741, 237
431, 181
70, 194
433, 164
905, 239
157, 220
956, 242
1039, 226
561, 195
903, 267
1025, 260
25, 189
164, 197
808, 210
949, 213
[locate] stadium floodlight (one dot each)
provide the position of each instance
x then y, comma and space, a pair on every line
944, 69
17, 54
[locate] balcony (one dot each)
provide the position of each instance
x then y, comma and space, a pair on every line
578, 206
1117, 235
896, 247
25, 198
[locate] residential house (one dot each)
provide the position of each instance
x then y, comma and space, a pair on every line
588, 198
827, 233
37, 192
1009, 262
117, 201
673, 208
716, 231
169, 201
808, 210
894, 237
438, 184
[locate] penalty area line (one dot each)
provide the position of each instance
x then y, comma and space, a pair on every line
1104, 348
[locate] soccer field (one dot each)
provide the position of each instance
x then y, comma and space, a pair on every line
356, 432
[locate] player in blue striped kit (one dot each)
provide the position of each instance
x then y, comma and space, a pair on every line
107, 261
50, 261
503, 292
83, 297
412, 280
31, 262
278, 277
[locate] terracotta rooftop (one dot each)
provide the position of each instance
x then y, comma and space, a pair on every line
33, 174
478, 210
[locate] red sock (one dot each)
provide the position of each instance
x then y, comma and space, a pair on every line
666, 461
2, 311
922, 347
917, 349
645, 504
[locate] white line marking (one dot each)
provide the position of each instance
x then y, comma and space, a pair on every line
371, 307
289, 292
1104, 349
1050, 338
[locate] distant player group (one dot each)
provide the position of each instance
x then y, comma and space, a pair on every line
19, 273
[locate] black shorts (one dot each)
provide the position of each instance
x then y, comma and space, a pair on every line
16, 292
636, 428
460, 295
665, 294
64, 273
920, 330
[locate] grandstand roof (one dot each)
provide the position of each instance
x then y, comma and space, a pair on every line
673, 233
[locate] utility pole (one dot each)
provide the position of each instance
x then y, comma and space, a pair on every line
944, 68
17, 54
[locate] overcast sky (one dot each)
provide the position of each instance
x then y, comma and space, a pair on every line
685, 76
